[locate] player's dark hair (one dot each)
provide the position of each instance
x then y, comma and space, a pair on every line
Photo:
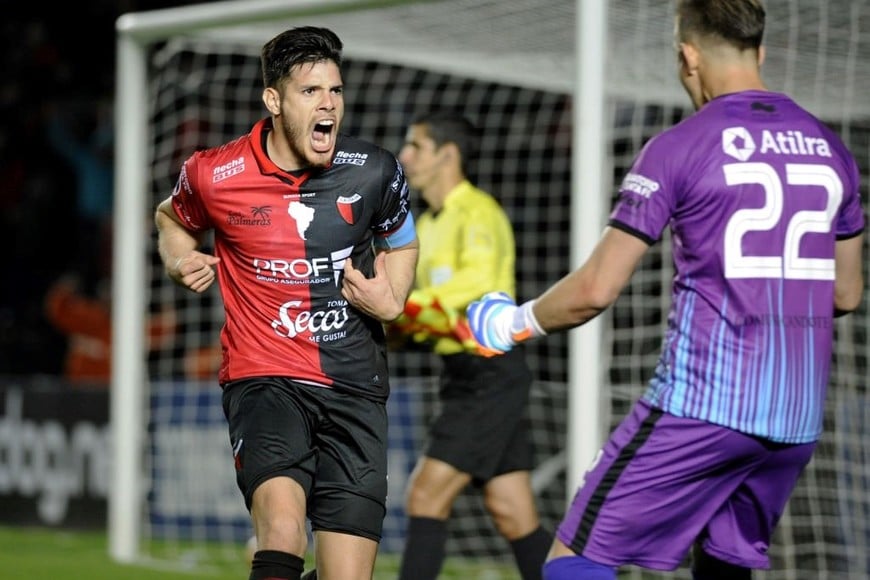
737, 22
452, 127
300, 45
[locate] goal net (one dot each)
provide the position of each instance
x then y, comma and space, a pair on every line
510, 66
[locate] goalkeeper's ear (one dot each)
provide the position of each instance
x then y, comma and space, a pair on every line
451, 155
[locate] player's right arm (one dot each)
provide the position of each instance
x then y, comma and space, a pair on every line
177, 247
849, 281
589, 290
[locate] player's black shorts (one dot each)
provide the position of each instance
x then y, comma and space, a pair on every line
332, 443
482, 427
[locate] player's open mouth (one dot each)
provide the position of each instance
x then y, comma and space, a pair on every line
321, 137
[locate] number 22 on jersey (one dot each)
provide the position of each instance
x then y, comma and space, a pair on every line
816, 179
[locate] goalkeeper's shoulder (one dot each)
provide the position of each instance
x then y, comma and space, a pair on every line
475, 202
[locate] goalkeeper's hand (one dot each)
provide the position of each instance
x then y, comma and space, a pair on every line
498, 324
425, 319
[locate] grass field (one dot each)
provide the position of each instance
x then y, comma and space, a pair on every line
48, 554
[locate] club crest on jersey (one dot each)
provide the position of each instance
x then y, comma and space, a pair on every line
350, 208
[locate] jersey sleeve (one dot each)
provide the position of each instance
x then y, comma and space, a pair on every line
187, 198
646, 197
395, 206
851, 220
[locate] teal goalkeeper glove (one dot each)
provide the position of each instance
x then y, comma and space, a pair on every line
498, 324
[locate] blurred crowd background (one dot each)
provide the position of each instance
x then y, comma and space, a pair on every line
56, 154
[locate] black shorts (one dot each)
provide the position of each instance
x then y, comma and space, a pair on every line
333, 444
482, 427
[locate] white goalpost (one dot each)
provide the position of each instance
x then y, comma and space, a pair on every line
567, 92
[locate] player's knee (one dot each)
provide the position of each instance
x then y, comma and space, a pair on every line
425, 501
506, 521
419, 502
572, 567
707, 567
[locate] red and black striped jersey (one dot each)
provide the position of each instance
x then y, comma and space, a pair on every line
283, 238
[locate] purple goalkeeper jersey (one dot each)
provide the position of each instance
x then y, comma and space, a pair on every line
756, 191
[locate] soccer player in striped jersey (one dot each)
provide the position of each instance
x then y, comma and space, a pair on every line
763, 203
314, 250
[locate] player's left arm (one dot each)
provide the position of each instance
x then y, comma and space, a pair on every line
395, 243
401, 263
383, 295
849, 281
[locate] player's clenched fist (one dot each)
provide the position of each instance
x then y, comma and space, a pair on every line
498, 324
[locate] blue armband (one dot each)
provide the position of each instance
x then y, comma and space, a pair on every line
404, 235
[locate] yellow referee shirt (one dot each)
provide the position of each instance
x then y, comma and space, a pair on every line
466, 250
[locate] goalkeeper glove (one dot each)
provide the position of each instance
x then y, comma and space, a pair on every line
425, 318
498, 324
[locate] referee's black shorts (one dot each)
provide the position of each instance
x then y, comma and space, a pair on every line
482, 427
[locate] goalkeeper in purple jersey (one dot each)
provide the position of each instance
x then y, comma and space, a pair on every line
764, 208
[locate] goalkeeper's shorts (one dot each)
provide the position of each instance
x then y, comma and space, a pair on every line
482, 428
663, 482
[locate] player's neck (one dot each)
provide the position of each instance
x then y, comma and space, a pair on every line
279, 152
732, 81
437, 193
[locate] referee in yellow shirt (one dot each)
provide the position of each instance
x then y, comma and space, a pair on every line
481, 435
